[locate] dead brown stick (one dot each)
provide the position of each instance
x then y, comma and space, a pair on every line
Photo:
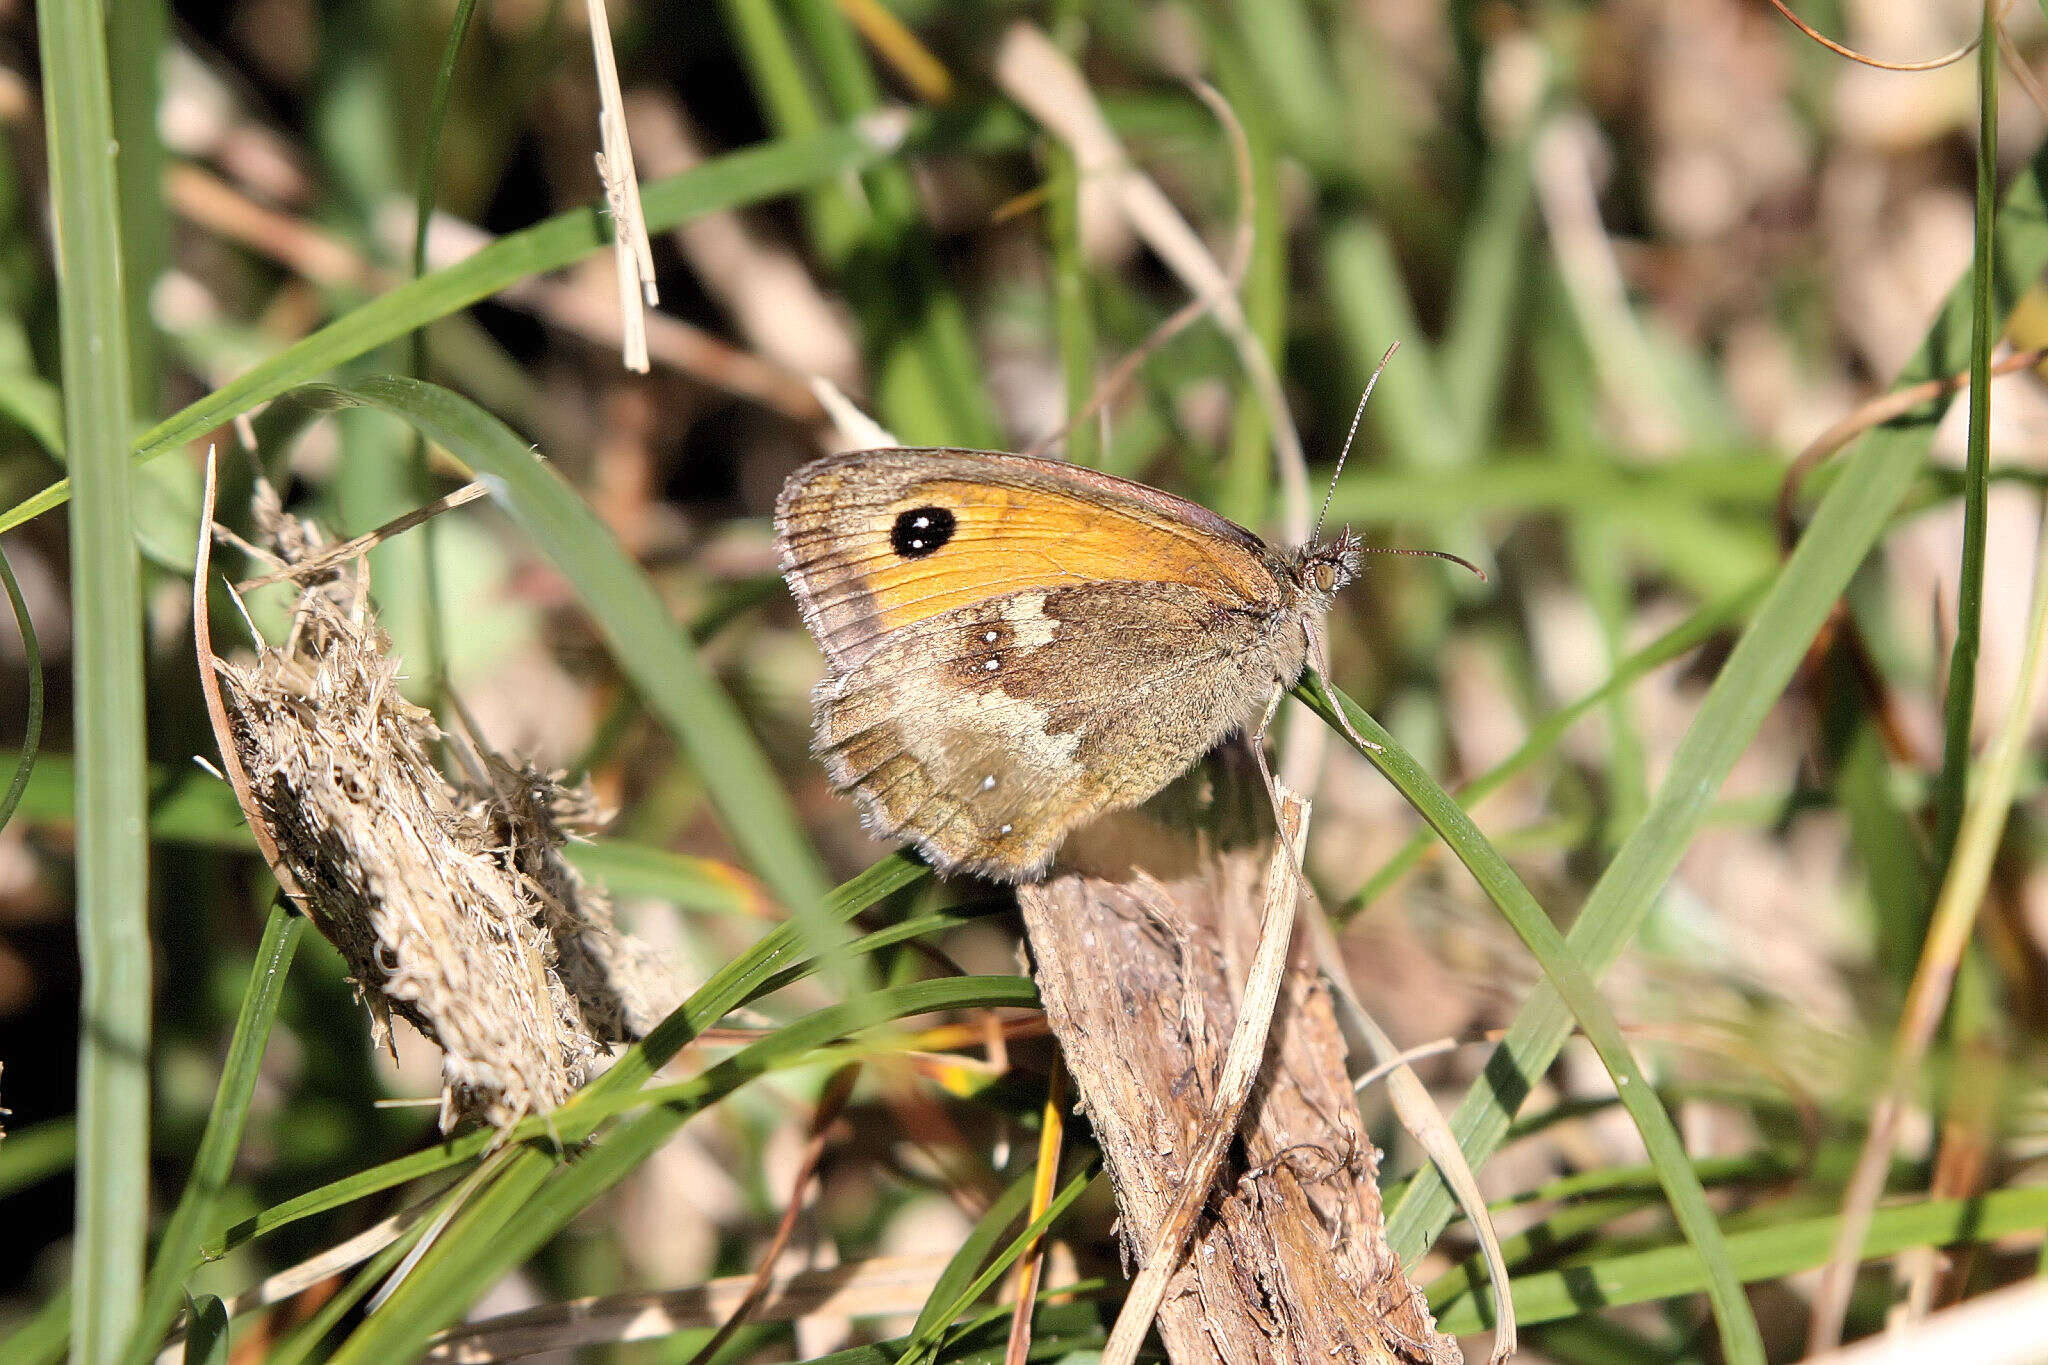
1141, 946
1233, 1087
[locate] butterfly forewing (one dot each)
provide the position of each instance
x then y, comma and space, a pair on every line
861, 566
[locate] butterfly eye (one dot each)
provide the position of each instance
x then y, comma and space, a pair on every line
921, 531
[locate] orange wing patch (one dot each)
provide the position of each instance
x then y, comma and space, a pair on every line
1015, 531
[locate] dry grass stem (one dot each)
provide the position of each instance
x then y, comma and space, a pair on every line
451, 900
364, 543
632, 253
1948, 934
902, 49
1563, 159
2003, 1327
856, 429
831, 1103
1931, 64
1113, 384
1884, 408
1052, 1132
1033, 71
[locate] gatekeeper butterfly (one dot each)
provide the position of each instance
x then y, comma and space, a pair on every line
1015, 645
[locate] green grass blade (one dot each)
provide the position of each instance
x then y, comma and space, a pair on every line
1373, 311
431, 636
1681, 639
32, 724
927, 387
177, 1252
41, 1340
1854, 512
206, 1340
966, 1259
113, 859
135, 50
651, 649
537, 1195
1491, 278
1568, 977
1958, 707
33, 1155
306, 1339
1063, 1331
35, 405
1765, 1253
729, 181
954, 1304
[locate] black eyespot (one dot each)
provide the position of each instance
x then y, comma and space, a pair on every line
921, 531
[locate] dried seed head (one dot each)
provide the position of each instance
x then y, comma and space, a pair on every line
451, 900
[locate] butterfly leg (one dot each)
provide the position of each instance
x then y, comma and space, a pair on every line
1256, 737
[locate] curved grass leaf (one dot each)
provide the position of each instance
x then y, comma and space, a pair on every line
1681, 639
1856, 509
1568, 977
32, 724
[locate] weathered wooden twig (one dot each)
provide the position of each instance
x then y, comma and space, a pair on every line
1141, 946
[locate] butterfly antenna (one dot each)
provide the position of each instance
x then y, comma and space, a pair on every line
1349, 437
1458, 560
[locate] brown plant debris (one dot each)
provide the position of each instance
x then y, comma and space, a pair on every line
450, 899
1141, 944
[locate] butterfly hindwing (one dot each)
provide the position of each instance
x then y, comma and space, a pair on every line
1098, 698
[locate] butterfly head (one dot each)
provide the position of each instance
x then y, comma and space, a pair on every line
1322, 570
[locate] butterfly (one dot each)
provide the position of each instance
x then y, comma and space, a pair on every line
1016, 645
